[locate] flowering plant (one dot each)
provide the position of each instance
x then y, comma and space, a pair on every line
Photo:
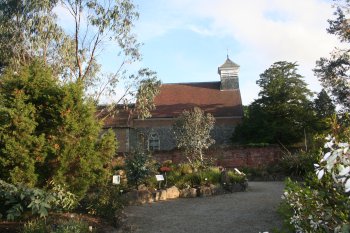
165, 169
322, 203
336, 162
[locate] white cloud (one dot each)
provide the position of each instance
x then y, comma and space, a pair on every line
267, 30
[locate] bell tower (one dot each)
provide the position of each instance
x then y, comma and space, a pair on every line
229, 75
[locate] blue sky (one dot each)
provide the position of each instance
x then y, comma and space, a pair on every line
186, 40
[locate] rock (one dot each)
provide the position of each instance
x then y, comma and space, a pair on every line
237, 187
172, 192
144, 196
139, 197
216, 190
142, 187
162, 195
205, 191
159, 195
131, 197
188, 192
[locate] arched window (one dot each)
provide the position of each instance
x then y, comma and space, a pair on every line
153, 141
141, 141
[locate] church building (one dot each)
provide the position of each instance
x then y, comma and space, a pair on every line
220, 98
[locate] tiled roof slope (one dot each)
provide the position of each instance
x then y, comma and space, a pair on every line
174, 98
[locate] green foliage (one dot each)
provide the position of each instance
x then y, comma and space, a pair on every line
62, 226
192, 133
185, 169
138, 167
323, 105
316, 206
72, 226
283, 112
146, 93
35, 34
30, 30
48, 131
15, 200
236, 178
104, 201
35, 226
322, 203
194, 179
298, 165
333, 72
64, 200
211, 175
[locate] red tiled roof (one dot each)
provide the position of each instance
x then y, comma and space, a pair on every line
174, 98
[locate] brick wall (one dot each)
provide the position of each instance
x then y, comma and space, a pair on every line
231, 157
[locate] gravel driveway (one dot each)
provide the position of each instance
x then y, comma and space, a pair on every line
250, 211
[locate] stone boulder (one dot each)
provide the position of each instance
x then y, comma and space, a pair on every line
138, 197
144, 196
172, 192
188, 192
216, 189
159, 195
205, 191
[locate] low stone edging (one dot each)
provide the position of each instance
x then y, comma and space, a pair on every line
145, 196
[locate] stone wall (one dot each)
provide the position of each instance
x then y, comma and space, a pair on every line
221, 134
231, 157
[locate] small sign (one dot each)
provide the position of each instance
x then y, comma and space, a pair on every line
159, 177
238, 171
116, 179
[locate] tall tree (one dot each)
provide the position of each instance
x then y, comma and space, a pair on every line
334, 72
323, 105
283, 111
48, 131
29, 29
192, 133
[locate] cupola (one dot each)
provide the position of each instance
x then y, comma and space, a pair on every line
229, 75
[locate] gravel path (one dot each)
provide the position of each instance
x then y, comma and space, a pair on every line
251, 211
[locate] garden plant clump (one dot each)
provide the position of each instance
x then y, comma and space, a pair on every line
322, 202
141, 171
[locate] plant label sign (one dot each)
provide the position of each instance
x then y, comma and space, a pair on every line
159, 177
116, 179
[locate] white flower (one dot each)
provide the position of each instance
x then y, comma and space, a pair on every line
344, 170
326, 156
320, 174
347, 186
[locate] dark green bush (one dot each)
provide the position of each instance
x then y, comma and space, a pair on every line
236, 178
139, 167
298, 165
19, 200
211, 175
16, 200
104, 201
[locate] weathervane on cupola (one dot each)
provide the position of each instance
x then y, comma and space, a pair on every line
229, 75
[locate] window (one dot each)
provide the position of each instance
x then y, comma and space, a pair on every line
141, 141
153, 141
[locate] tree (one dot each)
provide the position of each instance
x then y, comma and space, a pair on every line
192, 133
323, 105
33, 32
283, 111
48, 131
334, 72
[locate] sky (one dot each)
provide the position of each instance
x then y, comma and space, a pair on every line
187, 40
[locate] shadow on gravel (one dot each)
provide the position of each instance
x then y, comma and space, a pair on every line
251, 211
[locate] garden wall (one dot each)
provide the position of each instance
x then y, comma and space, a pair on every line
230, 157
